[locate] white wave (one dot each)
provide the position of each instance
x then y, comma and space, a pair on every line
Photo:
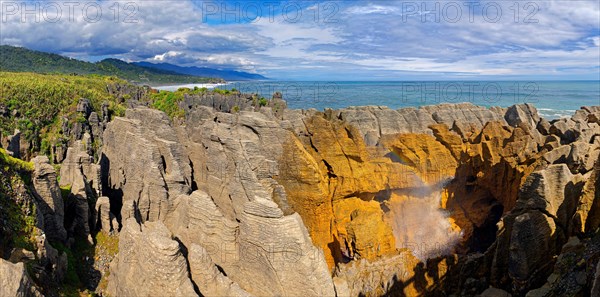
189, 86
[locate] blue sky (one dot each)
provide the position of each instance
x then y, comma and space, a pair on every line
332, 40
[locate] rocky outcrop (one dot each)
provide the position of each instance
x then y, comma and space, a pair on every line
106, 219
52, 265
361, 229
269, 203
375, 122
536, 229
232, 215
79, 164
12, 144
264, 246
235, 102
208, 278
575, 272
143, 163
49, 199
149, 263
587, 217
14, 281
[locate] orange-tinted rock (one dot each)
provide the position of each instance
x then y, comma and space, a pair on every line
361, 229
449, 139
431, 159
332, 163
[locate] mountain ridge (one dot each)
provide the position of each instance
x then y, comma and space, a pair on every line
21, 59
203, 71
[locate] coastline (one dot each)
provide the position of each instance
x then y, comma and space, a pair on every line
175, 87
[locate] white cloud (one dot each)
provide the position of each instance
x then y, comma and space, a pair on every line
368, 38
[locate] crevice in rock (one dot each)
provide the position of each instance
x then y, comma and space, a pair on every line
194, 184
115, 196
163, 163
330, 172
184, 252
485, 235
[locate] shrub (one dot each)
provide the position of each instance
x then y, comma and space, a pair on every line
263, 101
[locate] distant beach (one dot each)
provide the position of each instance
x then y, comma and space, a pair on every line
189, 86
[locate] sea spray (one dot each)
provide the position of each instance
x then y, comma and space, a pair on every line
420, 225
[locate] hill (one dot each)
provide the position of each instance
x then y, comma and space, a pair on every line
204, 71
18, 59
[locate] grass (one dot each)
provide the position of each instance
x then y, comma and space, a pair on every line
107, 246
14, 163
168, 102
108, 243
18, 215
36, 103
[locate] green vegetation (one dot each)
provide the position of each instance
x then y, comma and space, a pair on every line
17, 59
108, 243
14, 163
77, 267
35, 103
221, 91
168, 102
106, 247
263, 101
17, 213
65, 192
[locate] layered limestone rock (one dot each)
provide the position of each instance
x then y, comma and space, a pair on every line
106, 219
361, 228
143, 163
80, 164
329, 161
149, 263
231, 160
375, 122
268, 203
398, 275
576, 270
264, 246
49, 199
208, 278
14, 281
587, 217
536, 229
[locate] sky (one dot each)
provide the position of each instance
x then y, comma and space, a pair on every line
329, 40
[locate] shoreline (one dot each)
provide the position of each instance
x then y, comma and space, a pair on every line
172, 88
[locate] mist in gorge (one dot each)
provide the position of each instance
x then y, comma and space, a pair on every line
420, 225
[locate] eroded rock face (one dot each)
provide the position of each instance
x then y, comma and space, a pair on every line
587, 217
143, 160
257, 198
105, 217
14, 281
49, 198
149, 263
208, 278
231, 160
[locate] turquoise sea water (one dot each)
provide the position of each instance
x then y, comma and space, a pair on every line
553, 99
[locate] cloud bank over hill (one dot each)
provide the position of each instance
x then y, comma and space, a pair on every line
323, 40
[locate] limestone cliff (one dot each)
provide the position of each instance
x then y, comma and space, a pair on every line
265, 201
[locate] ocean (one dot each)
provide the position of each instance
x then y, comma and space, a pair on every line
553, 99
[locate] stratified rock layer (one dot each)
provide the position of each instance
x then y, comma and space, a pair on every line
272, 202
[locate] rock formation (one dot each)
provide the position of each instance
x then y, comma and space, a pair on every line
14, 281
49, 198
242, 198
255, 197
150, 263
